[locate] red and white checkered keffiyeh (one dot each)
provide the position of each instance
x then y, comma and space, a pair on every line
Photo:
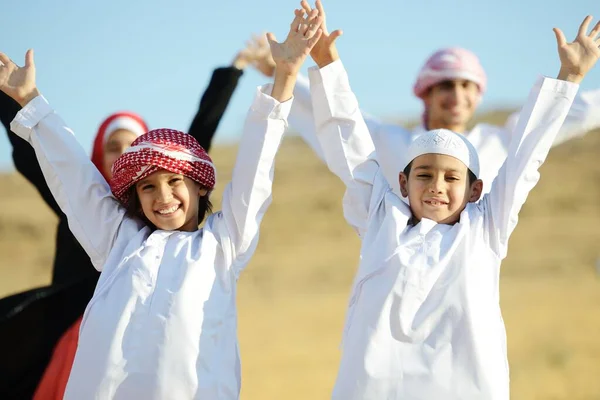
158, 149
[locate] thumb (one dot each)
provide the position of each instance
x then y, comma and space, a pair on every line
271, 38
560, 37
335, 34
29, 58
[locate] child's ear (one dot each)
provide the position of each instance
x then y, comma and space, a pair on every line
203, 192
476, 190
403, 184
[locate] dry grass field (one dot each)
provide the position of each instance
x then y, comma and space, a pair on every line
293, 295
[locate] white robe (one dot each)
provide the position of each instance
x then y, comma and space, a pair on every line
162, 322
491, 142
424, 319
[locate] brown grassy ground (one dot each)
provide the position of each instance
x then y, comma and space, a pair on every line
292, 297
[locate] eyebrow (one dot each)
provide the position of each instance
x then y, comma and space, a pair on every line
426, 167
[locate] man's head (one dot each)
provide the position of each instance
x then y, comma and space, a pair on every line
450, 84
441, 177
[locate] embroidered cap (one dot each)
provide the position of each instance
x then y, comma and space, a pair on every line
444, 141
167, 149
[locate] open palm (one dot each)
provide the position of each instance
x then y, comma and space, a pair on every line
579, 56
324, 52
18, 82
304, 34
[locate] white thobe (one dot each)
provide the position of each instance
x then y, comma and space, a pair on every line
424, 319
491, 142
162, 322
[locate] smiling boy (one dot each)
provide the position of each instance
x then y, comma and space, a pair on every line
424, 319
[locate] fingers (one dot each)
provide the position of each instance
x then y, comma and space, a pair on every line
584, 26
295, 25
312, 41
304, 4
5, 60
319, 6
595, 31
29, 58
313, 27
560, 37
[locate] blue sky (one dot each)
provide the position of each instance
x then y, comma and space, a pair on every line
155, 57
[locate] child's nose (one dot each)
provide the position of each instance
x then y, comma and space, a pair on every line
165, 195
436, 185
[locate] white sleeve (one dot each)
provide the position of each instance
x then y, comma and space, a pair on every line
391, 145
583, 117
94, 215
540, 121
346, 142
248, 195
302, 120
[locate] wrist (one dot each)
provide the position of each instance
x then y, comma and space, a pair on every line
325, 61
565, 75
283, 85
239, 62
23, 101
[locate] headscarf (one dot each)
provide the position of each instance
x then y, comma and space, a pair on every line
450, 63
120, 120
167, 149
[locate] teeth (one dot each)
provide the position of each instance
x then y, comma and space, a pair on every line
168, 210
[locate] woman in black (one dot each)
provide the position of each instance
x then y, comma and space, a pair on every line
32, 322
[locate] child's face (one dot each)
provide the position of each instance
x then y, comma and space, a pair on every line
170, 201
451, 104
438, 188
118, 141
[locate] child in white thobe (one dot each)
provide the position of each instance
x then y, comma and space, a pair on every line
162, 323
424, 319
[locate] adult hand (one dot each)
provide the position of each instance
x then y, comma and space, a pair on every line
262, 59
18, 82
578, 57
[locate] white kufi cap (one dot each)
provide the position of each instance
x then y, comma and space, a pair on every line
444, 141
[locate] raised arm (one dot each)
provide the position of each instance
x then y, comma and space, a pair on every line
343, 134
213, 104
248, 195
301, 119
23, 154
583, 117
217, 95
538, 125
80, 190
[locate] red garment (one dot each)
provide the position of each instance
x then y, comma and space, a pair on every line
54, 381
167, 149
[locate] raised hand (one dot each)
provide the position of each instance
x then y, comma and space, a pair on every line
324, 52
289, 55
579, 56
304, 34
261, 52
18, 82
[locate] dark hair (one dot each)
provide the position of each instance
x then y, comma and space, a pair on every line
472, 177
134, 208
